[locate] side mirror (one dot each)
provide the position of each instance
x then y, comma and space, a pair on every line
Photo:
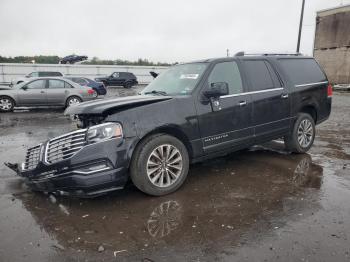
24, 88
216, 90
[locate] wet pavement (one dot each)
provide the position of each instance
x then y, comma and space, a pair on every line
261, 204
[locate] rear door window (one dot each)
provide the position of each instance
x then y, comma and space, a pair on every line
302, 71
56, 84
227, 72
261, 75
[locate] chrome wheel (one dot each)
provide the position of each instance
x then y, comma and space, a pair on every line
95, 94
73, 101
6, 104
164, 165
305, 133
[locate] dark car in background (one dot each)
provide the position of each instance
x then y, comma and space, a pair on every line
71, 59
189, 113
27, 77
125, 79
98, 87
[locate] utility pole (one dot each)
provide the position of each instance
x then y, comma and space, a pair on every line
300, 25
227, 52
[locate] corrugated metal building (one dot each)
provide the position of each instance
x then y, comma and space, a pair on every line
332, 43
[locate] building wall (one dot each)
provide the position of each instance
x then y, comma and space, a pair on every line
10, 71
332, 43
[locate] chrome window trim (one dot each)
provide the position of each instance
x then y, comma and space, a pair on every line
311, 84
253, 92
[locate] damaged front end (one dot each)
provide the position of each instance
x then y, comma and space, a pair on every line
86, 162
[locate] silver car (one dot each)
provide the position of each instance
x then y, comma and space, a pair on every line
44, 91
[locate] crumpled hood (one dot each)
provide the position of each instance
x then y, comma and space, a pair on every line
100, 106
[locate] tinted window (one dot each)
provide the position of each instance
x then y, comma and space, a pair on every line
227, 72
80, 81
259, 75
37, 84
56, 84
302, 70
50, 74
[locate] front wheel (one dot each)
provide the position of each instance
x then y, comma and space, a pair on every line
302, 136
73, 100
127, 85
6, 104
159, 165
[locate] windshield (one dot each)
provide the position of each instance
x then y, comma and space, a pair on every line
177, 80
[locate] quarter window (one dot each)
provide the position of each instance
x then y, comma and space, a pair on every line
56, 84
37, 84
303, 70
227, 72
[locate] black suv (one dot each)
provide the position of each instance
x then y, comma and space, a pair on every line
189, 113
125, 79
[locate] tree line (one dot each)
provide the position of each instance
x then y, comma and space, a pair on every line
41, 59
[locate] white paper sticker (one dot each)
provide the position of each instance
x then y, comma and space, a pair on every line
189, 76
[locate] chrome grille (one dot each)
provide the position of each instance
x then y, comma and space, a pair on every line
32, 157
65, 146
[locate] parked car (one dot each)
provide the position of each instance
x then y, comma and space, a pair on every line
189, 113
28, 77
98, 87
71, 59
125, 79
44, 91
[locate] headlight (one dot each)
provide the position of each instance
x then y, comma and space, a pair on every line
104, 131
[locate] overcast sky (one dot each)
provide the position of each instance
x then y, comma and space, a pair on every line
159, 30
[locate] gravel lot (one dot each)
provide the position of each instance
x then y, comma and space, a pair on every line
261, 204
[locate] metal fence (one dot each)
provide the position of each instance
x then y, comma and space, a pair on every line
11, 71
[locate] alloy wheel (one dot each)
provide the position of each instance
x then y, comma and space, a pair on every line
305, 133
164, 165
5, 104
73, 101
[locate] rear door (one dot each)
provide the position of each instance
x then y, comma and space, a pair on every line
56, 92
33, 93
270, 98
225, 123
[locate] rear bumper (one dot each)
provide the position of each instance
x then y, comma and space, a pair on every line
94, 170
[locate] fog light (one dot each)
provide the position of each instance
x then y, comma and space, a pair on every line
92, 169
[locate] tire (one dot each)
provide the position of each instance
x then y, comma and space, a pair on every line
73, 100
6, 104
302, 136
146, 166
127, 85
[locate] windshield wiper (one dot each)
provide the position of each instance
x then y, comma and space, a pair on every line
156, 92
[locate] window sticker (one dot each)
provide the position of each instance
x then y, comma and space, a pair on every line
189, 76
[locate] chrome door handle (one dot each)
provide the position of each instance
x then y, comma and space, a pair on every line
242, 103
284, 96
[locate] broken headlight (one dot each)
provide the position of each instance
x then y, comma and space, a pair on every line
104, 131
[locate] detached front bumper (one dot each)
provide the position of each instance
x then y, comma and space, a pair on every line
93, 169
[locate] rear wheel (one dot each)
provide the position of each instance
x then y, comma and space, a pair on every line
73, 100
6, 104
95, 94
159, 165
302, 136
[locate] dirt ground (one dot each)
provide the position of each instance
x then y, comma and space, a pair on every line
261, 204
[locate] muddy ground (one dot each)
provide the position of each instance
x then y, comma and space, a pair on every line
261, 204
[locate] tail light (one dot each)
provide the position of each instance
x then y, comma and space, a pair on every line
329, 90
90, 91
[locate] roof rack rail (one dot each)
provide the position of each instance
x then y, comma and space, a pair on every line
242, 53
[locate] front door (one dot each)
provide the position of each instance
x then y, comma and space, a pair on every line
271, 104
33, 93
226, 122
